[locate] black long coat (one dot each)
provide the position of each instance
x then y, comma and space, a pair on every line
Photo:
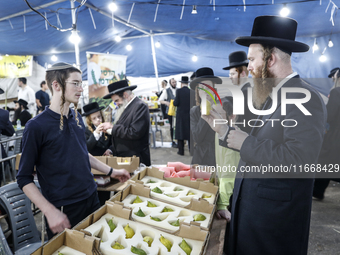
272, 215
182, 101
203, 139
130, 135
330, 152
97, 148
248, 115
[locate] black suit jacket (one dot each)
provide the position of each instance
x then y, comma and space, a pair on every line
272, 215
248, 115
182, 101
97, 148
130, 135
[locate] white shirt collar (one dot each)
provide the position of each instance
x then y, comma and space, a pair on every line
284, 81
129, 102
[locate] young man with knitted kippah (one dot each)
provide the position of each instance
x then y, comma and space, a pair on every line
54, 142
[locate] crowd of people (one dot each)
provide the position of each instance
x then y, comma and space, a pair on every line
269, 213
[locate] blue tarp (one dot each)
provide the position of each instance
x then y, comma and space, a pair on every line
209, 34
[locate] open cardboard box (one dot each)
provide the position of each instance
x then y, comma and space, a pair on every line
128, 163
199, 184
72, 239
190, 231
139, 189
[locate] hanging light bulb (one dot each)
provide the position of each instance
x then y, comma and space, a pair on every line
74, 37
113, 7
194, 58
322, 58
49, 65
54, 58
330, 43
128, 47
118, 38
284, 11
315, 46
194, 9
157, 44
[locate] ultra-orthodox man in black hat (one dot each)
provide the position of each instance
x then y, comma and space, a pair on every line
270, 212
130, 134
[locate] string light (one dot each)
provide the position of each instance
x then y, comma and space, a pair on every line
194, 58
284, 11
330, 43
118, 38
54, 58
128, 47
315, 46
74, 37
157, 44
194, 9
322, 58
113, 7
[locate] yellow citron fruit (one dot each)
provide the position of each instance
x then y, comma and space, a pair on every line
148, 239
206, 196
166, 242
185, 247
137, 200
151, 204
190, 193
199, 217
117, 246
206, 110
129, 232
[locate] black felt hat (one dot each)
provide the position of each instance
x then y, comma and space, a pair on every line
237, 58
184, 79
204, 73
274, 31
333, 71
22, 102
92, 108
117, 87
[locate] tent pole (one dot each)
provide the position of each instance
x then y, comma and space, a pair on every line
154, 58
76, 45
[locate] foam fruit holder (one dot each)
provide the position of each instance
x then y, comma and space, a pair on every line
131, 234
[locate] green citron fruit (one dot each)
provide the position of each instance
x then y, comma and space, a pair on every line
155, 218
138, 251
190, 193
178, 189
59, 253
206, 196
151, 181
185, 247
111, 225
137, 200
166, 242
171, 195
157, 190
151, 204
117, 246
129, 232
199, 217
140, 213
166, 209
148, 239
175, 223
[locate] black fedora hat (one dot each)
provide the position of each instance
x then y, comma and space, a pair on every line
274, 31
1, 91
117, 87
184, 79
333, 71
22, 102
204, 73
92, 108
237, 58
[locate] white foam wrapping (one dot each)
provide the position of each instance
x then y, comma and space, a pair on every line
67, 251
141, 230
181, 198
184, 215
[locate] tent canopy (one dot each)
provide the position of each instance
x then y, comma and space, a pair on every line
209, 34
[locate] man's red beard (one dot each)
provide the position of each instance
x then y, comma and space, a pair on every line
263, 86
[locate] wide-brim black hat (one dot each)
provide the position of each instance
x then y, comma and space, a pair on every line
117, 87
333, 71
22, 102
274, 31
237, 58
204, 73
184, 79
91, 108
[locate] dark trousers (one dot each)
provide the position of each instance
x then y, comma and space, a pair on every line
181, 146
320, 186
78, 211
171, 128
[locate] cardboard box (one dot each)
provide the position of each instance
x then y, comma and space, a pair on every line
190, 231
73, 239
128, 163
139, 189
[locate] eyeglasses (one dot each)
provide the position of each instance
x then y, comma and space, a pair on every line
77, 84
